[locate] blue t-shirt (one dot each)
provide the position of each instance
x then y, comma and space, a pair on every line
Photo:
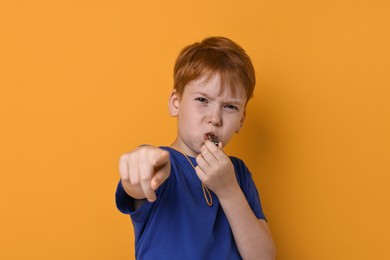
180, 224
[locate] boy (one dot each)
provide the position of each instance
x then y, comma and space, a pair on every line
190, 200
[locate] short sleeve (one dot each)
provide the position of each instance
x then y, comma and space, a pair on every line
253, 197
125, 204
248, 187
123, 201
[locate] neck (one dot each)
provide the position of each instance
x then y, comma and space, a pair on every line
179, 146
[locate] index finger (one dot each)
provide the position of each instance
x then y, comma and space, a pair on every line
146, 172
148, 191
158, 179
161, 168
217, 152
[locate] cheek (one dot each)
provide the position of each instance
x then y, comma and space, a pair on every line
233, 120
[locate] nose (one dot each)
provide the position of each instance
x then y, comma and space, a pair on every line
215, 118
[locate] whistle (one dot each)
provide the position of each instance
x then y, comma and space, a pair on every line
213, 139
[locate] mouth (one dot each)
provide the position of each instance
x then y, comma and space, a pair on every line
213, 138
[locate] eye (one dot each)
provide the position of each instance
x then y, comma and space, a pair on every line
201, 99
231, 107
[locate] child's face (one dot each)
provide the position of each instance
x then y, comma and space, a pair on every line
204, 109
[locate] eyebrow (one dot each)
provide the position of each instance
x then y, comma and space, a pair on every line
234, 101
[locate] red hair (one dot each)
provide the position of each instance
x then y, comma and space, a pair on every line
215, 55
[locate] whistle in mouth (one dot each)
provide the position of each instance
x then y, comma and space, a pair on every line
213, 139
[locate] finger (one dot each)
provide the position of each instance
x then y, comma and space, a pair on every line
202, 163
201, 174
160, 177
162, 168
208, 154
212, 147
221, 154
147, 190
217, 152
132, 165
145, 175
123, 168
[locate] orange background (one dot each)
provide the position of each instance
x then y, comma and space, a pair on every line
84, 81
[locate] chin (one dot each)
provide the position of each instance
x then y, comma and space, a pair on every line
196, 152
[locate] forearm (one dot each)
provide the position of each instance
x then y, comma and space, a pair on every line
252, 236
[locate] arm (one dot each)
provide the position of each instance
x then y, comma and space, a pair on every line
252, 236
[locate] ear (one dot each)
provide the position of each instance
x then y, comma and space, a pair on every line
241, 122
174, 103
